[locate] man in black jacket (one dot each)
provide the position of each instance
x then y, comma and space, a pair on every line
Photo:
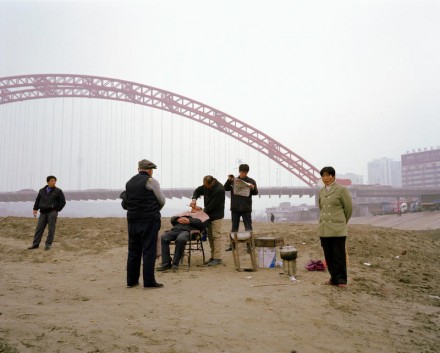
144, 200
241, 205
50, 201
183, 224
214, 199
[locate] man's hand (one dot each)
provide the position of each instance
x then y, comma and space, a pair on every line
183, 220
35, 212
193, 203
196, 209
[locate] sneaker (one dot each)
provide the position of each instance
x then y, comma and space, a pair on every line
215, 262
164, 267
33, 247
47, 247
175, 268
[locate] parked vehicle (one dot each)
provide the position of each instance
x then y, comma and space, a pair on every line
430, 206
381, 209
415, 206
403, 207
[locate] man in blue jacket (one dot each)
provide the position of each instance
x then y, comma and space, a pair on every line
50, 201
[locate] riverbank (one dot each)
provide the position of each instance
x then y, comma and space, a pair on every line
72, 298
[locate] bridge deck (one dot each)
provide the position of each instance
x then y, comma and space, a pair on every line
101, 194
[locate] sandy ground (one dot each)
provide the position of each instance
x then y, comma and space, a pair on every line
73, 297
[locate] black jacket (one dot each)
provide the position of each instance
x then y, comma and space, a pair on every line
142, 205
241, 203
214, 200
46, 202
194, 223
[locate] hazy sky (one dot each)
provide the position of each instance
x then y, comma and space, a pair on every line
338, 82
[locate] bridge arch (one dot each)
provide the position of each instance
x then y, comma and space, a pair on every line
27, 87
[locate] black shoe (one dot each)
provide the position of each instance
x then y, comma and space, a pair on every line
164, 267
229, 248
175, 268
132, 285
215, 262
155, 285
47, 247
33, 247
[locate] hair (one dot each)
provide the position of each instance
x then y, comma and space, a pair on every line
243, 168
208, 179
329, 170
51, 177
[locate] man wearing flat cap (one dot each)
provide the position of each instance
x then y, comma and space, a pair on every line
144, 200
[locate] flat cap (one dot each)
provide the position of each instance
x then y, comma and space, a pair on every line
146, 164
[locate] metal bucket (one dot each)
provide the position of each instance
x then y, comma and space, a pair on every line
289, 254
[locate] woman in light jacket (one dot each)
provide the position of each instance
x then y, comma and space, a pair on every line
336, 208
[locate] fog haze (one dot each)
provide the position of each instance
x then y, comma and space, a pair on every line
340, 83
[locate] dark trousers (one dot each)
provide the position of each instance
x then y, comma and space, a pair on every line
336, 258
180, 237
44, 220
142, 245
247, 220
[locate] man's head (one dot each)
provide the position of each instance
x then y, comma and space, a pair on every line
51, 181
146, 166
243, 170
208, 181
328, 175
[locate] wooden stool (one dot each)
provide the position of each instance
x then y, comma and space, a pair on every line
243, 238
265, 248
268, 242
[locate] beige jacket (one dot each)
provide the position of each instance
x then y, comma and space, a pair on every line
336, 209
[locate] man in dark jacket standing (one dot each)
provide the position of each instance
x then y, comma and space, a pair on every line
50, 201
214, 199
241, 206
144, 200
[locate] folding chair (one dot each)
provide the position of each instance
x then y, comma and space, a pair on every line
195, 243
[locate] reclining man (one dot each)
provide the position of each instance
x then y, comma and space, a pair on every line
183, 224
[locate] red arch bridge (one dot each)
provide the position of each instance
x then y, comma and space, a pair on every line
46, 86
43, 86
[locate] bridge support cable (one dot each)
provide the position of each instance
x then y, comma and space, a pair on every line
29, 87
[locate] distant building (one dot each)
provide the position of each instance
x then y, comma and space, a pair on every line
356, 179
421, 168
385, 171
